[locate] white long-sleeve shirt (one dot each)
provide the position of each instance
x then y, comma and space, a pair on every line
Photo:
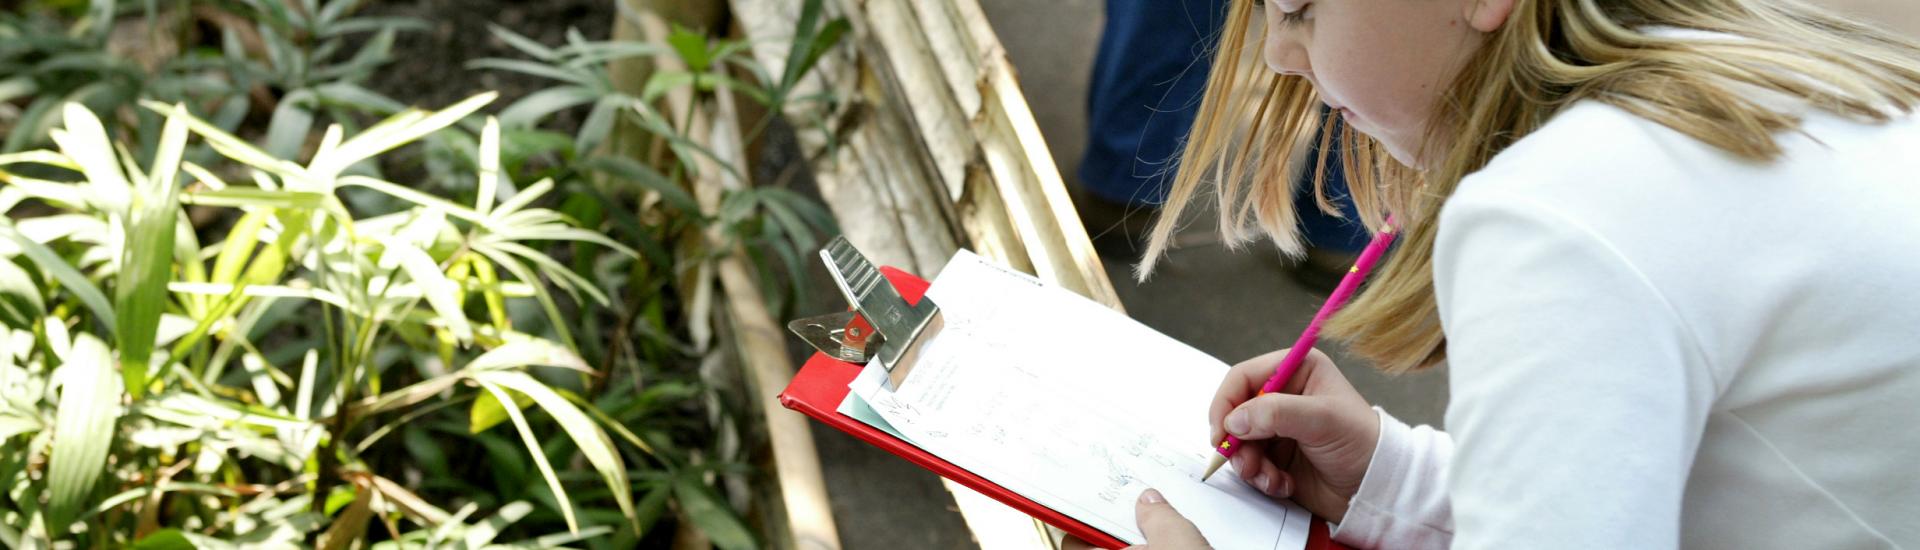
1653, 344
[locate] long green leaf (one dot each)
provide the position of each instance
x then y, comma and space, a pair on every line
540, 292
85, 141
593, 442
536, 106
529, 353
164, 539
232, 147
487, 411
239, 245
523, 198
489, 183
712, 517
236, 197
806, 27
15, 425
648, 179
368, 144
526, 45
83, 430
611, 423
441, 293
291, 123
20, 300
572, 282
69, 278
419, 391
147, 264
63, 194
416, 197
483, 533
535, 68
562, 233
49, 158
558, 540
539, 456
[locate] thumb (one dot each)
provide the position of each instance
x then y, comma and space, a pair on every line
1163, 526
1282, 415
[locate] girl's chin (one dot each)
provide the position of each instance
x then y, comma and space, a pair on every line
1396, 148
1403, 155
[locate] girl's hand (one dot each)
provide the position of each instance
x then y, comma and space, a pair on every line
1310, 442
1164, 527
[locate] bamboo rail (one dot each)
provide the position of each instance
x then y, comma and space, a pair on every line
932, 147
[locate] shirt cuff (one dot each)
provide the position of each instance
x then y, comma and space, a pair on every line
1402, 501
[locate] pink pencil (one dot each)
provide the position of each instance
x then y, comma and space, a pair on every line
1348, 285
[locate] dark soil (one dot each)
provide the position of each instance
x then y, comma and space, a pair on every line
429, 68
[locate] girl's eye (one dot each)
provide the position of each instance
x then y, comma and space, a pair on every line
1295, 17
1259, 3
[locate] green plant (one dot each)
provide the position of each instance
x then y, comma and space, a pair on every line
772, 221
265, 351
393, 283
293, 56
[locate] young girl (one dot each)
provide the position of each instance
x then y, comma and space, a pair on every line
1669, 250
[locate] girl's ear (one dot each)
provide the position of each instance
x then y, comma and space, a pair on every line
1487, 15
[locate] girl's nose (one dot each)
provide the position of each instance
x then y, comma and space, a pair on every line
1287, 57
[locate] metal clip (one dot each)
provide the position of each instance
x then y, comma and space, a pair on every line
882, 325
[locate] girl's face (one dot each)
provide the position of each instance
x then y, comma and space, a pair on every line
1381, 63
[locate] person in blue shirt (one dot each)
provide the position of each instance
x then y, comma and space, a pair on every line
1150, 68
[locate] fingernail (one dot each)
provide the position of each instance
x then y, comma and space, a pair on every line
1286, 488
1151, 496
1237, 423
1260, 482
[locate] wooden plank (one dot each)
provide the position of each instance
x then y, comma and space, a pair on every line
916, 70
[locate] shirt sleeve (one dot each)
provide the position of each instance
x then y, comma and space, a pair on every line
1578, 392
1402, 501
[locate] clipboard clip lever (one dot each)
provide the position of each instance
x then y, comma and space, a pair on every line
880, 326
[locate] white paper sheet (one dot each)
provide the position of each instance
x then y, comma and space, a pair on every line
1074, 406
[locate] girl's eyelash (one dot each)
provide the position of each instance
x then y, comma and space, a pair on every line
1295, 17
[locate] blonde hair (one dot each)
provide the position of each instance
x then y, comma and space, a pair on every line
1549, 54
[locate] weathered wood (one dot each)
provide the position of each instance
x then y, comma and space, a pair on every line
937, 66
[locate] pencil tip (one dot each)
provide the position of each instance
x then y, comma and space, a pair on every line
1213, 466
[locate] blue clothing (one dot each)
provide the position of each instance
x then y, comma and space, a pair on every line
1147, 80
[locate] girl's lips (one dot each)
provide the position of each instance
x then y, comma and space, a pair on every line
1344, 112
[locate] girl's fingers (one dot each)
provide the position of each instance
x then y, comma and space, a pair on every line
1240, 384
1280, 415
1283, 485
1317, 362
1281, 453
1260, 473
1246, 463
1269, 479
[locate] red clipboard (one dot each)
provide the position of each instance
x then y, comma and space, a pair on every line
821, 385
